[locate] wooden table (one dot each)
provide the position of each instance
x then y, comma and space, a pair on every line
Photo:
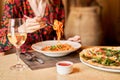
80, 72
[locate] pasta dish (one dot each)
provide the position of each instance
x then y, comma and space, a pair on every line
58, 27
58, 47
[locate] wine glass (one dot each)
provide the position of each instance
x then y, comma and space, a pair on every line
17, 36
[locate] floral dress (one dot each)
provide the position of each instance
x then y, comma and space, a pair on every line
19, 8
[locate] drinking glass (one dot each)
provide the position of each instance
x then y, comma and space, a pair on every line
17, 36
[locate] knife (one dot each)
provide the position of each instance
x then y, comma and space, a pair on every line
39, 60
32, 57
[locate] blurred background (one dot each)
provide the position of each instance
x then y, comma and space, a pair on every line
96, 21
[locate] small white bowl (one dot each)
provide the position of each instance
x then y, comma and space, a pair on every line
64, 67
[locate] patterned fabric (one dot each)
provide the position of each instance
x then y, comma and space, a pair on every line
18, 8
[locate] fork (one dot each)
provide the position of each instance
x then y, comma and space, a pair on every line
33, 57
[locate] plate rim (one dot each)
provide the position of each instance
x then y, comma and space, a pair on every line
100, 68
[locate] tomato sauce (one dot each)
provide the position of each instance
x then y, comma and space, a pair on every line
64, 64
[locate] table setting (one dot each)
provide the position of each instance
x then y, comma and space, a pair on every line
60, 60
61, 55
80, 70
50, 58
49, 52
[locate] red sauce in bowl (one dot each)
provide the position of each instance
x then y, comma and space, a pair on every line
64, 64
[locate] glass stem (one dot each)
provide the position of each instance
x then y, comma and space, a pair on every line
18, 54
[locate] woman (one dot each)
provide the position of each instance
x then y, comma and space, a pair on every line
48, 10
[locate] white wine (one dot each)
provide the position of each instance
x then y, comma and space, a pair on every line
17, 36
17, 39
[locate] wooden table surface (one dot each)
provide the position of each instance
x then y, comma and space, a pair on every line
80, 72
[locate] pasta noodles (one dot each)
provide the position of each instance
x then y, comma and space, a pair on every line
58, 47
58, 26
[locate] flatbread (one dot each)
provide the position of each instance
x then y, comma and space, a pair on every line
89, 61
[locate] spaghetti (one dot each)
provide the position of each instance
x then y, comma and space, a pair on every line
58, 47
58, 27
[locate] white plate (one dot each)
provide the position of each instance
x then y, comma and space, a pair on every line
100, 68
38, 46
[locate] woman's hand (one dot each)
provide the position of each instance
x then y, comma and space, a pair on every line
76, 38
32, 24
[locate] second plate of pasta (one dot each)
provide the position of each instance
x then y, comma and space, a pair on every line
53, 48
